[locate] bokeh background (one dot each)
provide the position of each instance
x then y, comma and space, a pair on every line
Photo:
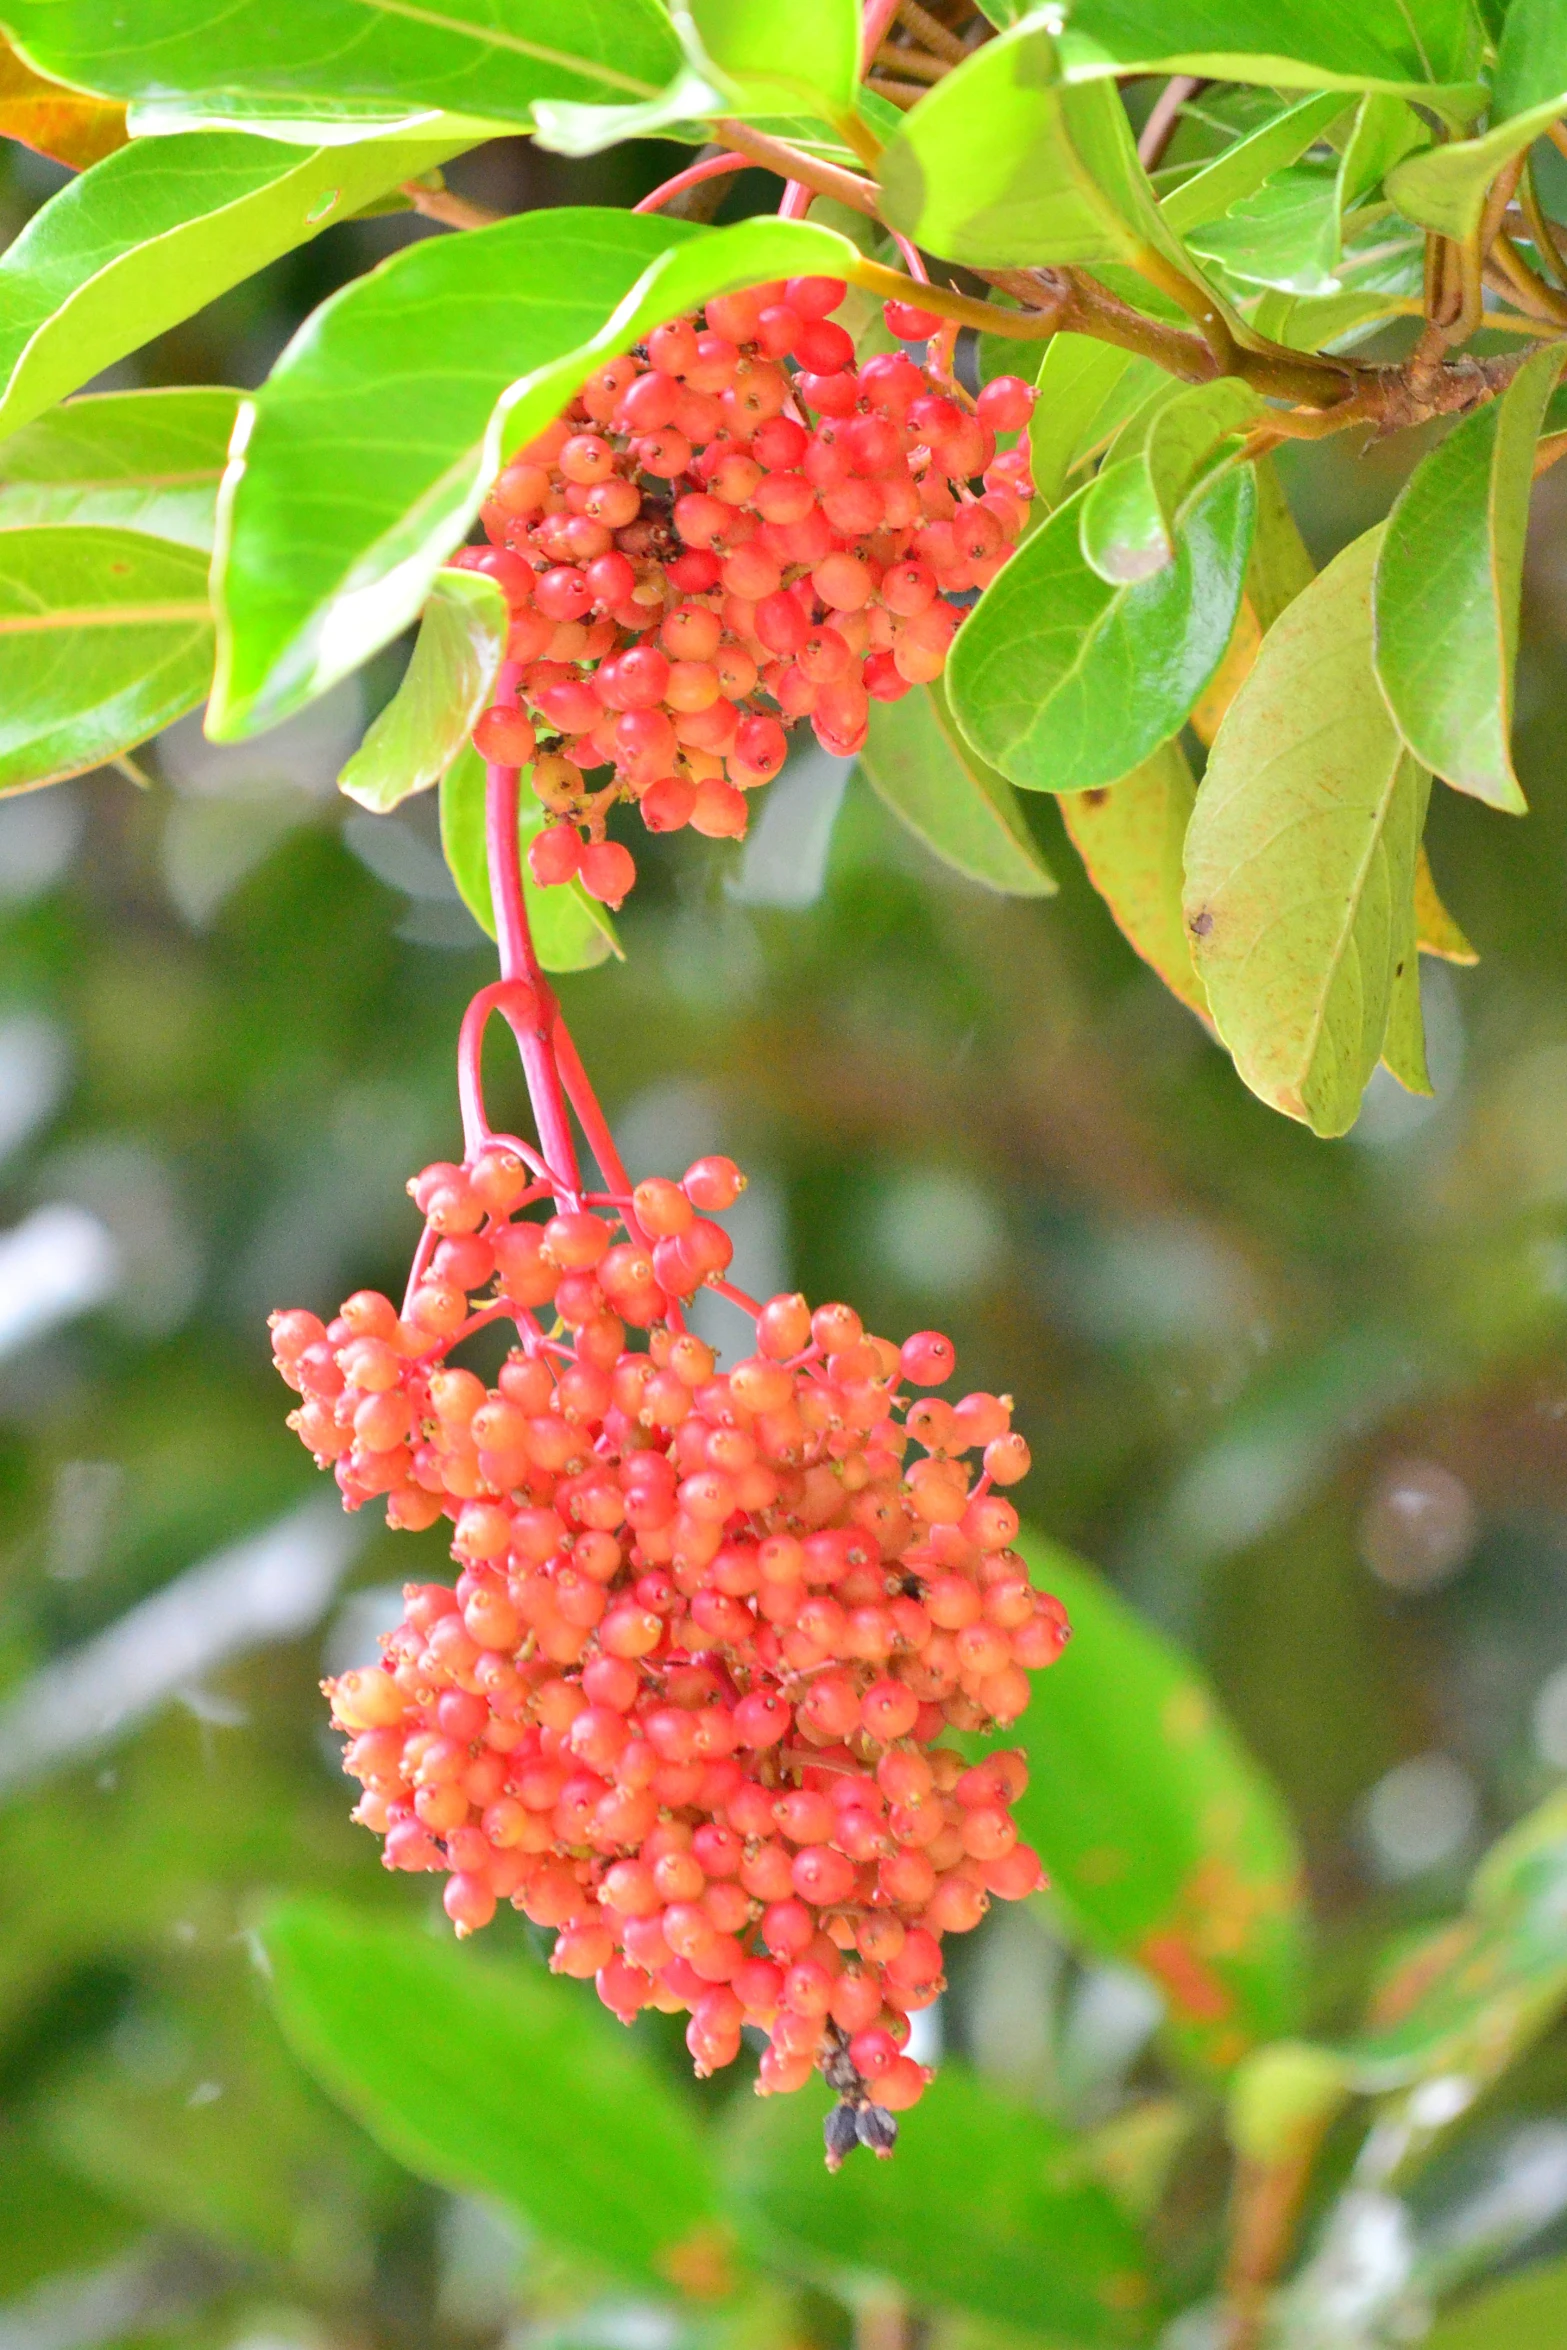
1306, 1403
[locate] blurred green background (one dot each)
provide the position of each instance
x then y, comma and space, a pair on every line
1305, 1403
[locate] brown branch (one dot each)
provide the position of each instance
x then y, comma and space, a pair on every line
1525, 289
931, 32
1162, 123
904, 94
792, 163
452, 211
912, 62
1541, 230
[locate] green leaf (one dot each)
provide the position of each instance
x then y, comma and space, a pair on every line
1527, 2309
1130, 836
313, 57
1445, 188
1448, 582
1280, 568
1300, 859
1030, 2239
966, 814
1466, 1999
495, 2080
1007, 164
1247, 163
1127, 521
571, 931
1385, 131
1404, 1046
145, 461
1165, 1840
1065, 682
1531, 63
1087, 390
770, 58
337, 515
1285, 235
105, 636
1430, 51
449, 679
156, 230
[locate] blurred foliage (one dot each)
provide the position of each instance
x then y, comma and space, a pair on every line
1304, 1403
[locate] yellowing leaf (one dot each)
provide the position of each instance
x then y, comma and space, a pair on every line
71, 126
1300, 859
1130, 836
1435, 930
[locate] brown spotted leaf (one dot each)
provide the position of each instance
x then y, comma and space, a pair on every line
1166, 1842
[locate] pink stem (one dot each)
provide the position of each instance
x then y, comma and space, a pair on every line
518, 961
796, 200
600, 1141
878, 15
714, 167
736, 1297
913, 259
516, 999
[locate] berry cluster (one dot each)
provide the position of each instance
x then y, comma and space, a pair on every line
729, 530
684, 1703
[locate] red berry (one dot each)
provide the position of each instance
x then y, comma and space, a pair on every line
910, 324
1005, 404
555, 854
505, 734
608, 871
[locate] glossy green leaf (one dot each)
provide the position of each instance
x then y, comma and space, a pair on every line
1429, 51
1127, 520
1285, 235
1328, 322
771, 58
156, 230
1531, 62
1445, 187
1064, 682
1006, 164
1528, 2312
449, 679
1448, 582
105, 636
571, 931
146, 461
1087, 390
310, 56
1468, 1997
498, 2081
1247, 163
1384, 131
1031, 2239
1130, 836
335, 519
1300, 858
916, 760
1165, 1840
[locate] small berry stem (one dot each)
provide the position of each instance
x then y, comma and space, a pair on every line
736, 1297
712, 168
477, 1130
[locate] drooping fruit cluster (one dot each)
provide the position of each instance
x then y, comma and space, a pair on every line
730, 529
684, 1703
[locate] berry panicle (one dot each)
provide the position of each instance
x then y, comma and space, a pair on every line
731, 528
685, 1701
